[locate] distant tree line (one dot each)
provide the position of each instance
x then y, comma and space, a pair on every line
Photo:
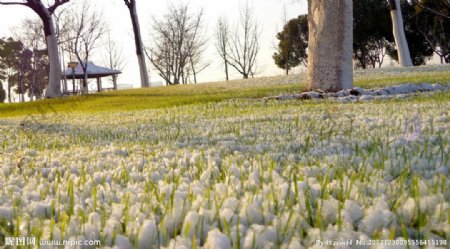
426, 31
84, 33
23, 68
176, 51
30, 61
24, 62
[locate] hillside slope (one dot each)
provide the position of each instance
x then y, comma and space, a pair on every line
160, 97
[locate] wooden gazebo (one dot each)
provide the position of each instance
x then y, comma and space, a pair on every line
75, 72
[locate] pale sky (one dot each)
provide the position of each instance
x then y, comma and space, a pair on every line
269, 14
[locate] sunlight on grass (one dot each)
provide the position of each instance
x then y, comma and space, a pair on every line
160, 97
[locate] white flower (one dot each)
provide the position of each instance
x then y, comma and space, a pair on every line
217, 240
148, 235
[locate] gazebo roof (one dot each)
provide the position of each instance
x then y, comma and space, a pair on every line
93, 71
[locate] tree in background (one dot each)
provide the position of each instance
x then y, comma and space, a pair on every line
86, 32
2, 92
45, 13
330, 45
433, 22
30, 34
10, 55
398, 29
243, 46
131, 5
25, 70
178, 45
222, 40
38, 77
372, 30
420, 49
293, 41
3, 76
22, 71
113, 58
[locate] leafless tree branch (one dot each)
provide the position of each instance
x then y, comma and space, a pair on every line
178, 46
418, 3
87, 28
243, 46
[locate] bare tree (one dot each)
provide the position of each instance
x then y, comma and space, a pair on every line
243, 47
45, 13
86, 32
330, 44
178, 46
196, 64
222, 40
114, 58
131, 5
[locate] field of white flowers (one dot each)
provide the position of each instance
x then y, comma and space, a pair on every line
235, 174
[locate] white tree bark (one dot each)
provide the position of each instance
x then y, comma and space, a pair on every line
143, 71
54, 86
404, 58
330, 45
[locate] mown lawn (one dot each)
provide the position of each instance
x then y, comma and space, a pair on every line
160, 97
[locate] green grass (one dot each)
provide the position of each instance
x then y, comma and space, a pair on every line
374, 81
161, 97
137, 99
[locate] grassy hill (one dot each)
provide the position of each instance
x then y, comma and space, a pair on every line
159, 97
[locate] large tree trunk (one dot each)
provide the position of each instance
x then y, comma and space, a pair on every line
330, 45
143, 71
404, 58
54, 85
138, 42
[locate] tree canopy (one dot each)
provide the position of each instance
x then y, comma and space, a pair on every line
372, 29
433, 23
293, 41
24, 69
